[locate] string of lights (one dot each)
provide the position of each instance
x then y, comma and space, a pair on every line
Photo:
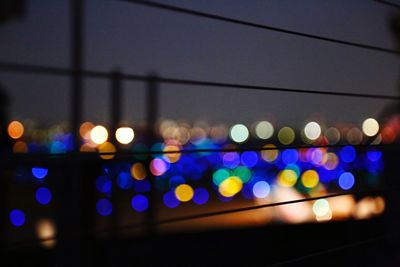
13, 67
259, 26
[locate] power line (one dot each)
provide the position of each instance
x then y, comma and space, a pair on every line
259, 26
35, 69
230, 211
74, 155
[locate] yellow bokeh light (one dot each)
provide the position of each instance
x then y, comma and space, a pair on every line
370, 127
172, 157
20, 147
286, 135
184, 192
269, 155
107, 147
230, 186
99, 134
310, 178
287, 178
138, 171
124, 135
15, 129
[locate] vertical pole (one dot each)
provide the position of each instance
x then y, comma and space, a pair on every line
152, 115
70, 224
115, 112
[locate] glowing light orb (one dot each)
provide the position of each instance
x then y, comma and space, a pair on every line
249, 158
170, 200
220, 175
17, 217
230, 186
20, 147
84, 129
239, 133
171, 157
99, 134
286, 135
312, 130
104, 207
346, 180
200, 196
261, 189
290, 156
269, 155
333, 135
140, 203
103, 184
46, 230
39, 173
348, 154
124, 135
15, 129
43, 195
310, 178
184, 192
287, 178
264, 130
107, 147
370, 127
158, 167
138, 171
321, 208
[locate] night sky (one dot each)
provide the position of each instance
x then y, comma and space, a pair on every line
139, 39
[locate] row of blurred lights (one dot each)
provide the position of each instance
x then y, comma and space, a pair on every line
97, 135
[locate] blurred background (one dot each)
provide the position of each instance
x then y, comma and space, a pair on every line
197, 133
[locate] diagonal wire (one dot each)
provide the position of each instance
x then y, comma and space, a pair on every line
388, 3
37, 69
230, 211
259, 26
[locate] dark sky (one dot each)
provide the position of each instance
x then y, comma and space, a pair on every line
140, 39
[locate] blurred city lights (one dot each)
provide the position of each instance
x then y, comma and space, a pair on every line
261, 189
370, 127
39, 173
286, 135
138, 171
312, 130
239, 133
184, 192
99, 134
230, 186
321, 207
264, 130
346, 180
15, 129
17, 217
46, 231
43, 195
310, 179
287, 178
124, 135
104, 207
140, 203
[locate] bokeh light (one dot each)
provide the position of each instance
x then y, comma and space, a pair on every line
321, 207
43, 195
312, 130
200, 196
348, 154
269, 154
15, 129
184, 192
370, 127
230, 186
99, 134
138, 171
140, 203
170, 200
104, 207
124, 135
264, 130
239, 133
106, 148
346, 180
17, 217
39, 173
46, 231
286, 135
310, 178
261, 189
287, 178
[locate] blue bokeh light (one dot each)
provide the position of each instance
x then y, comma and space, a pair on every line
170, 200
17, 217
43, 195
174, 181
39, 173
261, 189
290, 156
104, 207
374, 155
348, 154
124, 180
346, 180
249, 158
140, 203
103, 184
200, 196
